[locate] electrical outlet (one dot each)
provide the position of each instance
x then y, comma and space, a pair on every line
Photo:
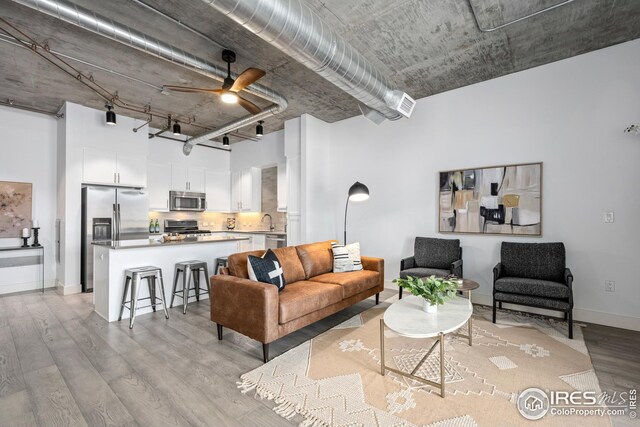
608, 217
609, 286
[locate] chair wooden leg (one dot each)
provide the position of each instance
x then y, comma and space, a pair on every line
494, 311
219, 326
570, 320
399, 293
265, 353
378, 298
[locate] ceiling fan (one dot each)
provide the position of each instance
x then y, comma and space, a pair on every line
230, 87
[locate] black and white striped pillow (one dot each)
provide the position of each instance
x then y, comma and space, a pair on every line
346, 258
266, 269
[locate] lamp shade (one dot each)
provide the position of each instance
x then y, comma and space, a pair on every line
358, 192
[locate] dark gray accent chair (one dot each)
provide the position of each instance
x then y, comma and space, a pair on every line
439, 257
535, 275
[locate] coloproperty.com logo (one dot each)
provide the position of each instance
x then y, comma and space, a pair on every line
534, 403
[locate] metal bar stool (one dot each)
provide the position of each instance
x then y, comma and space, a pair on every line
221, 262
133, 277
189, 269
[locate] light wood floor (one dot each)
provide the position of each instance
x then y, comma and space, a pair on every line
62, 365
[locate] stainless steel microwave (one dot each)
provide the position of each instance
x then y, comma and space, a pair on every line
187, 201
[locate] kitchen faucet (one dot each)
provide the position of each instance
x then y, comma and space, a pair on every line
271, 226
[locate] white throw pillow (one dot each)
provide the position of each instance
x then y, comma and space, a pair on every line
346, 258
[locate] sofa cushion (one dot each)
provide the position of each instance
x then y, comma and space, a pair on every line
266, 269
304, 297
533, 287
352, 282
436, 253
544, 261
237, 263
316, 258
291, 264
424, 272
346, 257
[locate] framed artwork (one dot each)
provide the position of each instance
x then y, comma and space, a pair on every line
15, 208
492, 200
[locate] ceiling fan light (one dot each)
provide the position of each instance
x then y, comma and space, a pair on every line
111, 116
225, 140
260, 129
229, 98
177, 131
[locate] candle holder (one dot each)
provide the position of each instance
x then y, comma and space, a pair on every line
35, 244
25, 243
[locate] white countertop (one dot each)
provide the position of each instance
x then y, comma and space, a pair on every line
156, 242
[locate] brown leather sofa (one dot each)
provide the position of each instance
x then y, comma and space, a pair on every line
313, 292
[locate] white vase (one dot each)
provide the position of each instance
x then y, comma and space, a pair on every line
428, 308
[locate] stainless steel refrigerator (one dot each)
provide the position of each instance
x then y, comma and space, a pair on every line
110, 214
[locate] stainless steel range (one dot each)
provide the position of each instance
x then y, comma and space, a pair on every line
188, 227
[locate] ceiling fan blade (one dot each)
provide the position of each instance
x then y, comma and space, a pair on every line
248, 105
247, 77
191, 89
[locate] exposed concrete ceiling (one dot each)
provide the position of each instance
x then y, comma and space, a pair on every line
423, 46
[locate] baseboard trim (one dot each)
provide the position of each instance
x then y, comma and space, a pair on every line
25, 287
63, 289
579, 314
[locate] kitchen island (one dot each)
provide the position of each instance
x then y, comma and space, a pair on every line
112, 258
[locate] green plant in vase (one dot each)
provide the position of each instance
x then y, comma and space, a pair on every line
434, 290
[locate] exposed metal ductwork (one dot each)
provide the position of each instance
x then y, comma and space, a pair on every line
292, 27
98, 24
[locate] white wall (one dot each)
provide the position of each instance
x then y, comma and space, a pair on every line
29, 155
569, 115
268, 151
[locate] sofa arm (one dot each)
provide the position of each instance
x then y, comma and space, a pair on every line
374, 264
456, 268
245, 306
407, 263
497, 272
568, 278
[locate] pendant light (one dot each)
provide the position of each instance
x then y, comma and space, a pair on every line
259, 129
176, 129
225, 140
111, 116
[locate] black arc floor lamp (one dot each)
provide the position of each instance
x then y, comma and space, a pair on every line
358, 193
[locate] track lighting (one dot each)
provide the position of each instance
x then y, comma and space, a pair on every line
225, 140
111, 116
176, 129
229, 97
259, 129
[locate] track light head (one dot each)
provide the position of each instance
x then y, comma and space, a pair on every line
111, 115
177, 131
260, 129
225, 140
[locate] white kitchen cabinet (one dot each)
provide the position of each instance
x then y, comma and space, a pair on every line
259, 242
196, 179
132, 170
218, 188
246, 190
158, 186
255, 242
282, 187
236, 190
113, 168
245, 245
185, 178
179, 180
99, 166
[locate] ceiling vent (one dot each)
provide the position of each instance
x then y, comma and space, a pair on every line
406, 105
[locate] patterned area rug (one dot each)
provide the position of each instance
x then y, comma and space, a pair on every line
334, 379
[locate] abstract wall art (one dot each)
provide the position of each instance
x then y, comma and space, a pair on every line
15, 208
492, 200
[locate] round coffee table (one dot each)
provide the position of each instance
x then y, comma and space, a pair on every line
406, 318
